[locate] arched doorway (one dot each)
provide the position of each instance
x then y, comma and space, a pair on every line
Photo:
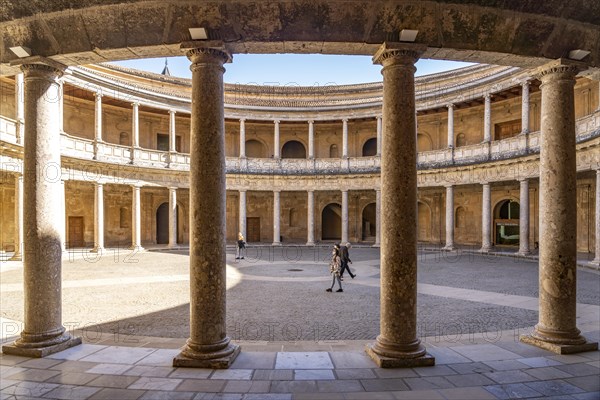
369, 224
331, 222
370, 148
424, 142
293, 149
506, 223
162, 224
255, 149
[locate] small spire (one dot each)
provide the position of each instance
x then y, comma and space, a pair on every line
166, 71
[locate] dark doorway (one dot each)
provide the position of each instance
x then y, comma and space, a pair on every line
293, 149
253, 229
162, 224
368, 223
331, 222
370, 148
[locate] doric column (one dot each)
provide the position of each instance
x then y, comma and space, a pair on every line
377, 217
172, 132
276, 153
378, 136
345, 138
61, 103
276, 217
20, 107
344, 216
242, 222
172, 217
449, 218
397, 344
450, 125
557, 327
98, 218
135, 129
487, 118
208, 345
597, 217
43, 333
486, 218
243, 141
524, 217
97, 123
62, 227
311, 139
310, 223
525, 107
18, 256
136, 218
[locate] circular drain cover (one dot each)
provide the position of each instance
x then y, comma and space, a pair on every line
295, 270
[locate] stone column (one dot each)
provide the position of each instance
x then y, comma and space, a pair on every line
344, 216
345, 138
596, 260
61, 102
98, 118
172, 217
311, 139
450, 125
310, 241
18, 256
486, 218
243, 140
397, 344
276, 218
208, 345
136, 219
449, 218
62, 227
378, 136
172, 132
525, 107
98, 218
487, 118
557, 327
242, 222
43, 333
20, 107
524, 218
377, 217
276, 150
135, 129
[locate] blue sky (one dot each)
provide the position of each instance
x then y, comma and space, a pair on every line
292, 69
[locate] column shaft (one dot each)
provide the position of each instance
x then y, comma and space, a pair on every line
345, 216
450, 125
487, 119
276, 149
345, 138
449, 218
242, 222
172, 217
311, 139
524, 217
98, 218
18, 256
597, 219
377, 217
243, 141
379, 136
172, 132
20, 107
486, 218
525, 107
136, 219
276, 217
98, 117
311, 219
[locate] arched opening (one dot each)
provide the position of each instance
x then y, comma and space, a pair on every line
370, 148
460, 217
333, 151
461, 140
506, 223
369, 224
423, 222
124, 139
424, 142
255, 149
293, 149
162, 224
331, 222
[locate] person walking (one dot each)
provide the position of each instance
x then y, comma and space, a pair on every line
241, 247
335, 266
345, 256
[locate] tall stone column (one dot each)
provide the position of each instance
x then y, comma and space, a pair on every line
557, 327
62, 227
525, 107
242, 222
397, 344
311, 139
276, 218
310, 223
345, 138
43, 333
208, 345
61, 103
18, 256
97, 124
377, 217
276, 147
243, 140
450, 125
378, 136
449, 218
596, 260
20, 107
172, 217
98, 218
487, 118
135, 129
486, 218
524, 217
172, 132
136, 219
344, 216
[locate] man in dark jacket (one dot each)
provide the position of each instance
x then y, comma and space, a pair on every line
345, 259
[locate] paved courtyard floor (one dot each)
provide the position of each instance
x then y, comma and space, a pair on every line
298, 341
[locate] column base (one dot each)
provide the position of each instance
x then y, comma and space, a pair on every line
595, 261
310, 243
16, 257
377, 245
448, 248
485, 250
276, 244
39, 352
558, 348
205, 360
524, 253
138, 248
426, 360
97, 250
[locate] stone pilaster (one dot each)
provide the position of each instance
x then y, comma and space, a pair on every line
525, 107
18, 256
276, 146
524, 217
486, 218
378, 136
596, 260
20, 108
276, 218
243, 140
397, 344
345, 138
310, 240
449, 218
557, 327
487, 118
377, 217
242, 222
172, 218
43, 332
208, 345
136, 218
450, 125
97, 124
98, 218
311, 139
345, 221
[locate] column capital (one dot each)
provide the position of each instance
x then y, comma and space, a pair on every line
98, 95
378, 116
135, 104
276, 121
172, 112
38, 65
277, 191
311, 121
172, 188
487, 96
526, 179
526, 82
311, 190
557, 68
450, 106
242, 190
484, 183
206, 52
398, 53
243, 119
345, 119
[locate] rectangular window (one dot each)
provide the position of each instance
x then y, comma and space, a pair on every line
162, 142
505, 130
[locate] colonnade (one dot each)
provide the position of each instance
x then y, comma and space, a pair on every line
208, 345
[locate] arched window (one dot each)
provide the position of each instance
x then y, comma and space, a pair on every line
460, 217
123, 218
255, 149
506, 223
124, 139
461, 140
293, 217
293, 149
370, 148
424, 142
331, 222
333, 151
